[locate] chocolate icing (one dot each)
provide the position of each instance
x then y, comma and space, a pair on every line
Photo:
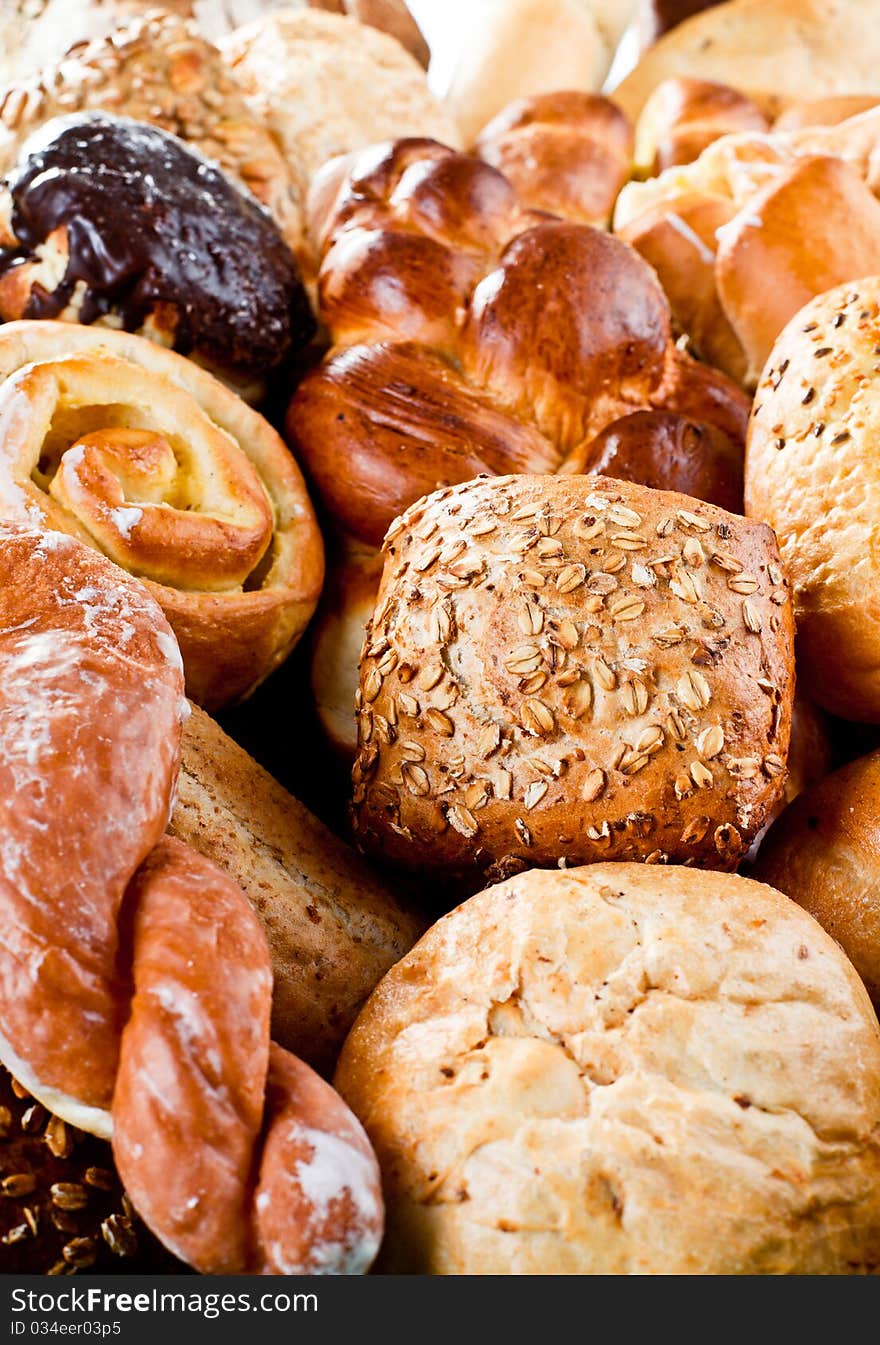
150, 222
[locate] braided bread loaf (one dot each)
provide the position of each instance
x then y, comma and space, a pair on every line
472, 335
135, 981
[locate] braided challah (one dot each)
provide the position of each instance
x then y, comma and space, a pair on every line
472, 335
135, 980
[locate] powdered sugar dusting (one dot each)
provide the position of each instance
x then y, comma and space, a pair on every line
124, 518
337, 1168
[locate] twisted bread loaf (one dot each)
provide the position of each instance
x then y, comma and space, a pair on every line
149, 459
135, 982
472, 336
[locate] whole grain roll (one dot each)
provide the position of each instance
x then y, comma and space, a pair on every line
824, 852
333, 930
623, 1069
569, 669
813, 474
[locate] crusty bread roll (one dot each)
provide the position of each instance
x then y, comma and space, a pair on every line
756, 226
566, 152
574, 669
830, 111
623, 1070
332, 928
774, 50
325, 84
824, 852
812, 474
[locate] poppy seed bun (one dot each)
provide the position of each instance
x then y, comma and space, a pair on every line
570, 667
623, 1070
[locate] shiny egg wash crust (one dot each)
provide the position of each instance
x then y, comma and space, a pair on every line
568, 670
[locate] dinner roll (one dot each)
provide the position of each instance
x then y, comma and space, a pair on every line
813, 474
623, 1069
570, 668
825, 853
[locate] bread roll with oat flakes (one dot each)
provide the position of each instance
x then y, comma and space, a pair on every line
623, 1070
158, 69
568, 669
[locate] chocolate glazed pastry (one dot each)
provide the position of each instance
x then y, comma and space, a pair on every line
108, 219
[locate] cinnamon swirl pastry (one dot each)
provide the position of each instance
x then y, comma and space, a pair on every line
152, 461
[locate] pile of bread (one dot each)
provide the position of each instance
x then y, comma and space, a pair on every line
511, 449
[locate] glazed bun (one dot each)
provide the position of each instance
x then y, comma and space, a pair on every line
666, 451
566, 152
812, 474
824, 852
623, 1069
570, 668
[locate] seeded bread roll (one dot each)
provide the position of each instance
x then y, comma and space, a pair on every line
824, 853
623, 1070
812, 473
62, 1206
572, 669
160, 70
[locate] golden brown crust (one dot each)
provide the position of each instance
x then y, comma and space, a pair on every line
623, 1070
815, 227
824, 853
811, 473
572, 668
473, 335
232, 631
158, 69
332, 928
763, 223
683, 116
666, 451
566, 152
824, 111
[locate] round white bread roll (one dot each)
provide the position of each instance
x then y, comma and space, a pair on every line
813, 474
622, 1069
